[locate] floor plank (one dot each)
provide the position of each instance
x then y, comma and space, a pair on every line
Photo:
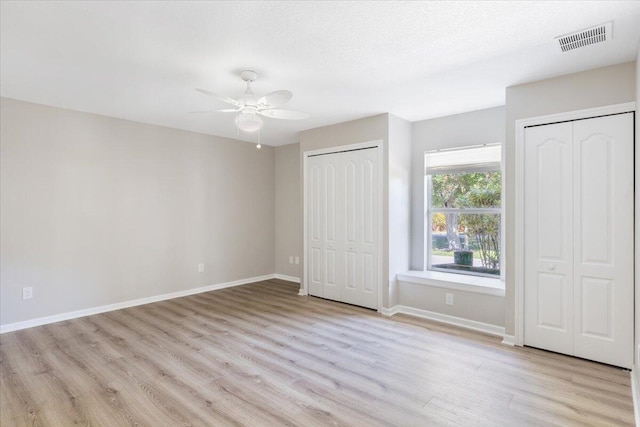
260, 355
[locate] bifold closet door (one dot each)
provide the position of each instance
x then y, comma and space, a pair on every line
579, 234
548, 241
343, 226
603, 238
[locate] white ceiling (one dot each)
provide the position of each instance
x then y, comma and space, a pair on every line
343, 60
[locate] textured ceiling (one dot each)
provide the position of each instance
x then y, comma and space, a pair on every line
342, 60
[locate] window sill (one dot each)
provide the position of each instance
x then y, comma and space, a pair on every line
460, 282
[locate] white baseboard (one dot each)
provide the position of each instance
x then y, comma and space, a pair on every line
635, 393
445, 318
287, 278
389, 311
10, 327
509, 340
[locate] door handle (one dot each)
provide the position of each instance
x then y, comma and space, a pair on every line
552, 267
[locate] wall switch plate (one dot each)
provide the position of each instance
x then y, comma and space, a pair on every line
27, 293
291, 260
200, 268
297, 260
448, 299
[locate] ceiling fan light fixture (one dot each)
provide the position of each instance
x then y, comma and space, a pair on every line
250, 108
249, 121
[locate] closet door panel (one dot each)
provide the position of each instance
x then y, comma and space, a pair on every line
370, 234
331, 226
352, 206
548, 238
315, 232
603, 238
361, 238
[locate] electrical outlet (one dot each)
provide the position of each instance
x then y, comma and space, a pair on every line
448, 299
291, 260
27, 293
200, 268
297, 260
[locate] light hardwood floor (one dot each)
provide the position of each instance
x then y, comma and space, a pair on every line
260, 355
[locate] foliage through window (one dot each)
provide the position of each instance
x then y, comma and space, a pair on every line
464, 211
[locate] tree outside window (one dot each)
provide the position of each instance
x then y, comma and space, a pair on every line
464, 212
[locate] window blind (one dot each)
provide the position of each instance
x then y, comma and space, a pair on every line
468, 159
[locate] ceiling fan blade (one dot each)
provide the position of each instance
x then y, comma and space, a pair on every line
275, 99
219, 97
284, 114
226, 110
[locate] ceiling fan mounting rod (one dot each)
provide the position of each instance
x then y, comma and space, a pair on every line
248, 76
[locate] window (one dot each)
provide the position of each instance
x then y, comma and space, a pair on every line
464, 210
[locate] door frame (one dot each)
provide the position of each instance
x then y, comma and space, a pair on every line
304, 284
521, 124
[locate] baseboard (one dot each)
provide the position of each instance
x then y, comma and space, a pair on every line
509, 340
445, 318
10, 327
635, 393
287, 278
389, 311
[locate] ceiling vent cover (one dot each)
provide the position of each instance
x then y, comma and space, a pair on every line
598, 34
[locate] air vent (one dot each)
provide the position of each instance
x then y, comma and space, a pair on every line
598, 34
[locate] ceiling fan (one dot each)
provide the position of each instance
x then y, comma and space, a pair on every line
250, 107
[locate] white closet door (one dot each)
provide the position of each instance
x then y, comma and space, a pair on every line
343, 226
548, 291
603, 239
361, 228
579, 234
332, 226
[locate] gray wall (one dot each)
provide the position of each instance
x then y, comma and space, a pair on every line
399, 201
96, 210
594, 88
353, 132
288, 213
476, 127
468, 305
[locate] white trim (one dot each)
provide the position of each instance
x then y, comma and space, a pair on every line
460, 282
379, 144
521, 124
341, 148
287, 278
426, 219
10, 327
445, 318
509, 340
467, 210
503, 215
635, 393
389, 311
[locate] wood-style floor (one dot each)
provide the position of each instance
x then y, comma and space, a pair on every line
260, 355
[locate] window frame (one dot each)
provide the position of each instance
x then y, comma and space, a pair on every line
430, 210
